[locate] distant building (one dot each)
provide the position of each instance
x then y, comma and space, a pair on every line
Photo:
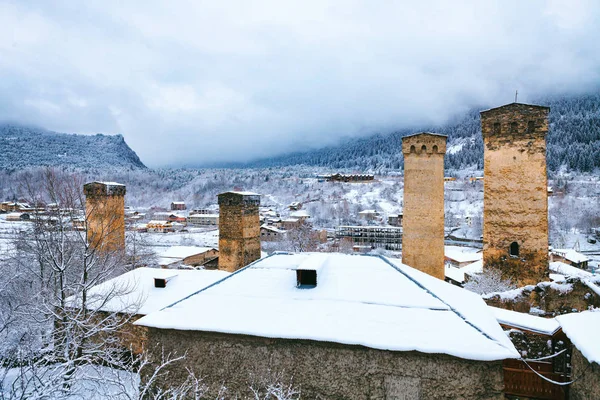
349, 177
295, 206
17, 216
159, 226
369, 215
193, 256
571, 257
178, 206
387, 237
203, 219
270, 233
395, 219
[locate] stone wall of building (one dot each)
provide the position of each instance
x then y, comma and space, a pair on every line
515, 208
105, 216
323, 370
423, 222
588, 386
239, 230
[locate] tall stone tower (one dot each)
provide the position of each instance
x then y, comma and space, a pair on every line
515, 205
423, 222
105, 215
239, 230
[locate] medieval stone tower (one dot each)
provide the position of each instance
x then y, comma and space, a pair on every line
105, 215
423, 223
515, 205
239, 230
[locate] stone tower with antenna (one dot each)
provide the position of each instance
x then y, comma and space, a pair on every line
515, 205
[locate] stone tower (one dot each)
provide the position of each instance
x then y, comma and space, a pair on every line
239, 230
515, 205
105, 215
423, 222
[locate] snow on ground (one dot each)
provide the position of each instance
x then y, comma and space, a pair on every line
568, 270
203, 238
355, 296
583, 329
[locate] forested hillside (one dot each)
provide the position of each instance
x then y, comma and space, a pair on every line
573, 141
22, 147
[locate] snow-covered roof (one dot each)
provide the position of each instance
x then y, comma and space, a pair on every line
583, 329
370, 301
178, 202
134, 291
245, 193
183, 251
519, 320
568, 270
203, 216
571, 255
272, 228
300, 214
473, 268
369, 212
454, 273
462, 254
158, 222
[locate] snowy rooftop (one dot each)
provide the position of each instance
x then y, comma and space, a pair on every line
462, 254
583, 329
183, 251
546, 326
571, 255
245, 193
568, 270
359, 300
299, 214
134, 291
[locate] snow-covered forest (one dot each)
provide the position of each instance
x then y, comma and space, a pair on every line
573, 141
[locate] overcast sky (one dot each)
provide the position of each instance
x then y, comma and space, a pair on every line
196, 82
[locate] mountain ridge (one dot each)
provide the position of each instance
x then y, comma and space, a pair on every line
23, 146
573, 142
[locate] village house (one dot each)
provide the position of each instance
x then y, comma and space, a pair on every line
348, 177
395, 219
458, 257
369, 215
294, 206
142, 291
387, 237
18, 216
178, 206
582, 329
159, 226
408, 335
289, 224
203, 219
204, 211
570, 256
270, 233
301, 215
193, 256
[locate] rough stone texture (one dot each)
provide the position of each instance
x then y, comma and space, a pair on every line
239, 230
423, 222
105, 216
129, 336
323, 370
553, 299
515, 205
588, 386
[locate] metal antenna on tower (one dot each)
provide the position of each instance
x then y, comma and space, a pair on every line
516, 94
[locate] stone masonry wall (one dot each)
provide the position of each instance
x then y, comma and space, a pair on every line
423, 222
106, 222
323, 370
515, 191
588, 386
239, 231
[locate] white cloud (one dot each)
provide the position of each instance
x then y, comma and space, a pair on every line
257, 78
